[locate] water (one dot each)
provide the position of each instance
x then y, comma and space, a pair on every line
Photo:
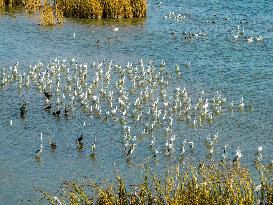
218, 62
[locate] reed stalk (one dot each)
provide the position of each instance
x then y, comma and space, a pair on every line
215, 183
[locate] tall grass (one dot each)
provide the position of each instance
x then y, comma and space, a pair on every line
11, 3
32, 6
87, 8
104, 8
54, 14
47, 15
208, 183
82, 8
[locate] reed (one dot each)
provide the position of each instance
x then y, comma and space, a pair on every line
117, 9
11, 3
32, 6
82, 8
47, 15
59, 14
212, 183
139, 8
86, 8
104, 8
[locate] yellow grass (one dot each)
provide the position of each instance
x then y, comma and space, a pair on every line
32, 5
59, 14
83, 9
47, 15
139, 8
213, 183
104, 8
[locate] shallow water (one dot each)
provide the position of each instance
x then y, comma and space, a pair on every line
218, 62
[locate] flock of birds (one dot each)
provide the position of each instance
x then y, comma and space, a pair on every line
238, 34
142, 99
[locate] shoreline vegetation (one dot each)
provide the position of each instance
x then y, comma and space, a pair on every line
53, 12
222, 182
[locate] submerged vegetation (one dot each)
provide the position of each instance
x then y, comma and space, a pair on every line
52, 12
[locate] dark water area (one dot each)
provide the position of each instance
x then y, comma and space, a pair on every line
218, 62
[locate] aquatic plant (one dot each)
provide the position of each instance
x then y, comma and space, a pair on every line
206, 182
51, 15
59, 16
47, 15
104, 8
11, 3
82, 8
32, 6
139, 8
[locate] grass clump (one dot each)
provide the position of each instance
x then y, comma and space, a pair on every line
47, 15
82, 8
93, 9
117, 9
139, 8
50, 15
11, 3
212, 183
104, 8
32, 6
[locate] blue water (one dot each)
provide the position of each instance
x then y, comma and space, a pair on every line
217, 62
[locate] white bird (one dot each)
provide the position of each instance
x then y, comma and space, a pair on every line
74, 35
242, 104
238, 155
236, 36
93, 146
249, 39
259, 38
39, 151
115, 28
57, 200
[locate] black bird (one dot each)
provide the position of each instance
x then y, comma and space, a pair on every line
57, 113
80, 138
53, 145
47, 108
79, 142
65, 112
23, 110
48, 95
